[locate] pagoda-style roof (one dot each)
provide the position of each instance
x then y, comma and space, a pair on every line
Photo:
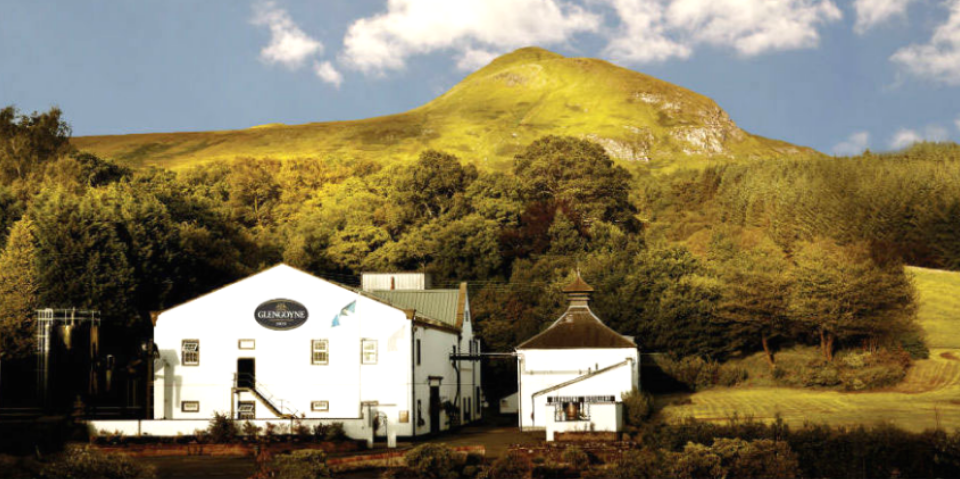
578, 327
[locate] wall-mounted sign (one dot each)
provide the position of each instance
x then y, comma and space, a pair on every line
580, 399
281, 314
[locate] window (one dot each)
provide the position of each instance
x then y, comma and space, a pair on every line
420, 421
320, 406
247, 344
190, 406
190, 352
369, 350
571, 409
477, 398
246, 410
321, 352
418, 352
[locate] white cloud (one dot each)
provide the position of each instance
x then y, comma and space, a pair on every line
289, 45
957, 123
853, 145
655, 30
410, 27
938, 59
326, 72
905, 137
472, 59
871, 13
643, 36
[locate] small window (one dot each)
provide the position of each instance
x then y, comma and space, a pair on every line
190, 406
247, 344
190, 352
247, 410
321, 352
419, 414
369, 347
320, 406
418, 352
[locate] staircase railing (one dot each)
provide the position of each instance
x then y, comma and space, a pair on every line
276, 405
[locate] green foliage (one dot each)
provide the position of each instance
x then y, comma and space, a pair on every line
84, 462
576, 457
19, 290
302, 464
432, 461
637, 407
222, 429
512, 465
698, 373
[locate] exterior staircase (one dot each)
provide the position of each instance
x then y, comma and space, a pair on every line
246, 382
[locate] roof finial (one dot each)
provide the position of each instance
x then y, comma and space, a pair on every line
578, 292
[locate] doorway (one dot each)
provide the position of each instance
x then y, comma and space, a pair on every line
246, 373
434, 409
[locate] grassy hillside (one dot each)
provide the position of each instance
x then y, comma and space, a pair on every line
486, 119
928, 397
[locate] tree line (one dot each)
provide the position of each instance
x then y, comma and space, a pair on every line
728, 260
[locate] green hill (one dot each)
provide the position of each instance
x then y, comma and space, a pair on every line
486, 119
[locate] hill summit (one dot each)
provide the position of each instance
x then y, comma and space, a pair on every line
486, 119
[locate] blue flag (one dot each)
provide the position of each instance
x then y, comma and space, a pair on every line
347, 311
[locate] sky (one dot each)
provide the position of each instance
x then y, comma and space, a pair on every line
839, 76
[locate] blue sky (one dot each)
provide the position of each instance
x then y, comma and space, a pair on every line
839, 76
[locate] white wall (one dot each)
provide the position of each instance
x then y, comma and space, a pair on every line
541, 369
605, 417
283, 358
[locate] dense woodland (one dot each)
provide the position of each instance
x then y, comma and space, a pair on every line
718, 262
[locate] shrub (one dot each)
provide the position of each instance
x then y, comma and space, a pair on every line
437, 461
576, 457
335, 432
250, 430
512, 465
302, 464
551, 470
637, 407
643, 464
222, 429
82, 462
301, 430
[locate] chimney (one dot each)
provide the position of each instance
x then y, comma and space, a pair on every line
578, 293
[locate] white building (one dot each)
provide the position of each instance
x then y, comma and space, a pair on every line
573, 374
283, 343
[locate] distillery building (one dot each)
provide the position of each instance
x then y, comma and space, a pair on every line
573, 374
285, 344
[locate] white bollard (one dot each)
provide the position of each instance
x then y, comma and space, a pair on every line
392, 422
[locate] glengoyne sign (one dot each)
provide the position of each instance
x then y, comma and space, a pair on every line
281, 314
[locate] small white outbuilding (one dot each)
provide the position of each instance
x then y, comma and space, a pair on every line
286, 344
573, 374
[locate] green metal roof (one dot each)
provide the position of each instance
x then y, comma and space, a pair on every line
436, 304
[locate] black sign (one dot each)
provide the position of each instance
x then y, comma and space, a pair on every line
281, 314
583, 399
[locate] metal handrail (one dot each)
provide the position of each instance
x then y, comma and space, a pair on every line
265, 394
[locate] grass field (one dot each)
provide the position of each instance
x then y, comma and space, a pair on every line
928, 397
486, 119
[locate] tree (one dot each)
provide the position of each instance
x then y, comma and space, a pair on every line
756, 292
19, 287
430, 186
28, 141
842, 292
579, 175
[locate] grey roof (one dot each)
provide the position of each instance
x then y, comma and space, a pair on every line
578, 328
437, 304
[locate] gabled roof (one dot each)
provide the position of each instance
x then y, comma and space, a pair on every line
578, 328
444, 305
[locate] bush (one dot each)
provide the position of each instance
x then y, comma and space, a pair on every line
301, 430
82, 462
222, 429
335, 432
637, 407
512, 465
698, 373
433, 461
643, 464
552, 470
736, 458
576, 457
302, 464
250, 430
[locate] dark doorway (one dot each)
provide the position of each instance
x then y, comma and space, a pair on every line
434, 409
246, 373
